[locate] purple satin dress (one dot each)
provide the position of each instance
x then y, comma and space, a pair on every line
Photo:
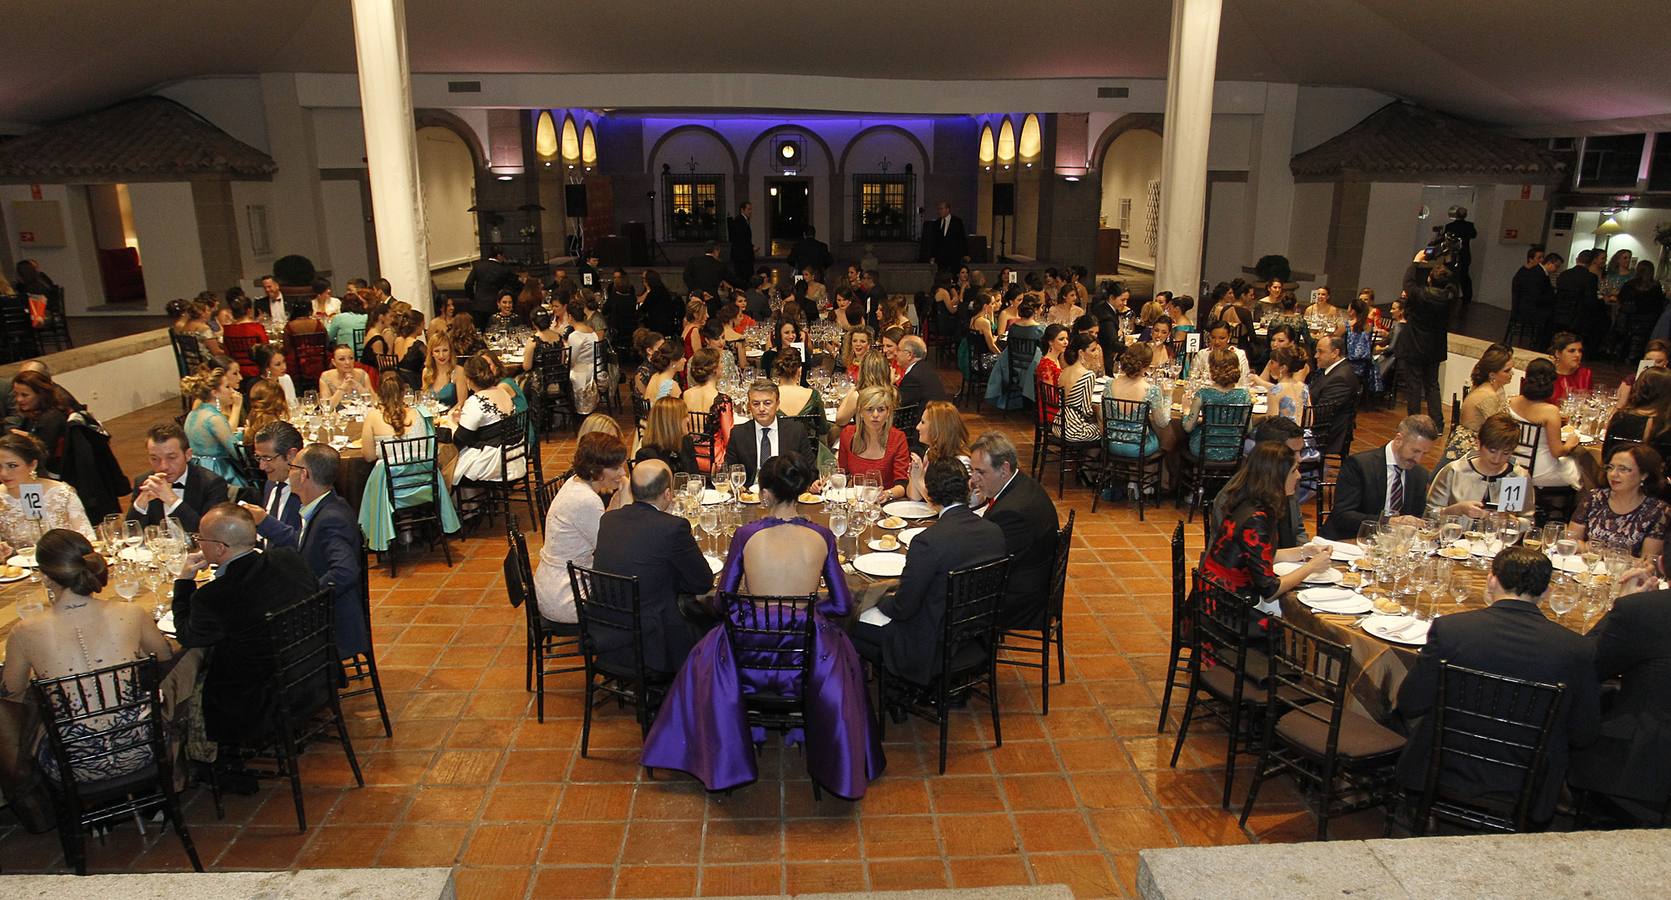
703, 727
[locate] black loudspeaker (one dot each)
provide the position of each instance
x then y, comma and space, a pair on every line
574, 200
613, 250
1003, 199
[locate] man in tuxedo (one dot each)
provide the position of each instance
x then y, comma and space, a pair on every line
226, 613
704, 272
957, 539
276, 448
765, 434
489, 278
328, 538
1388, 481
1334, 385
810, 253
1021, 508
643, 540
173, 488
1428, 294
1110, 308
919, 384
1514, 639
1532, 294
739, 231
948, 240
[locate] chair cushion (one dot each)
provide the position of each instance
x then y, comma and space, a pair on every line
1360, 736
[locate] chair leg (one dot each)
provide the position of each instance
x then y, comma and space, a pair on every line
1061, 651
586, 714
74, 842
291, 766
992, 700
1171, 684
539, 683
1183, 724
347, 745
1253, 793
377, 691
1044, 670
171, 809
945, 724
1230, 751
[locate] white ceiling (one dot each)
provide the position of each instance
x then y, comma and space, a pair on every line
1532, 64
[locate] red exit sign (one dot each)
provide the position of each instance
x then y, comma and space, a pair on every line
26, 237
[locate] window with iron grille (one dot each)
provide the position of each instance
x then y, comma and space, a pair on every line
882, 211
692, 207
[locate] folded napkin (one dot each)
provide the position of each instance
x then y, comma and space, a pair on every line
1327, 594
874, 616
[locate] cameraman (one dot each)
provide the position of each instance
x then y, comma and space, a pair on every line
1429, 292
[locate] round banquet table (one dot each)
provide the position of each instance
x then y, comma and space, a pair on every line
1379, 666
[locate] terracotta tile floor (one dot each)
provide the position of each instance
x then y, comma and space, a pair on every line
471, 780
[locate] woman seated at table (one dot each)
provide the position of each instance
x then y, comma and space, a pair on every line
378, 343
786, 332
1288, 313
843, 314
392, 419
208, 430
702, 395
874, 371
667, 437
1627, 513
1289, 397
274, 369
466, 340
645, 343
571, 522
1485, 399
1283, 337
1131, 383
871, 445
665, 361
1048, 370
266, 406
1081, 413
703, 726
352, 318
943, 435
979, 348
583, 351
1571, 375
343, 378
77, 633
855, 343
1022, 327
1224, 372
492, 401
1646, 413
547, 338
1657, 356
1160, 340
407, 344
1241, 548
40, 410
1060, 309
690, 331
243, 325
891, 314
1470, 486
191, 318
443, 377
441, 326
1555, 463
20, 461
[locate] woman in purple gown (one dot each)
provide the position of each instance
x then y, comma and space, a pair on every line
703, 728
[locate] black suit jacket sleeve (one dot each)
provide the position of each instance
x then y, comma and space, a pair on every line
1421, 687
338, 538
742, 436
1355, 499
195, 626
906, 602
694, 574
1618, 643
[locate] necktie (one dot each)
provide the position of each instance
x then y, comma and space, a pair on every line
765, 445
1395, 491
278, 502
946, 225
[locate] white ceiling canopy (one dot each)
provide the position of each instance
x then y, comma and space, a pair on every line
1531, 64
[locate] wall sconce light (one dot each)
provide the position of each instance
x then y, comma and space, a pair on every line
1006, 167
773, 192
1070, 177
507, 177
1029, 165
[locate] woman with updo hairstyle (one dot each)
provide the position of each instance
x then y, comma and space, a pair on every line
664, 362
794, 398
1486, 397
209, 432
690, 332
1022, 334
571, 522
411, 353
1132, 383
266, 406
1289, 396
391, 419
1225, 373
1556, 460
702, 396
702, 728
493, 401
1082, 368
79, 632
21, 457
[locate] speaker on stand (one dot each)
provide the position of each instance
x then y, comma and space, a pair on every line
574, 208
1003, 206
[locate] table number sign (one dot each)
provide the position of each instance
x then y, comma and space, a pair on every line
1192, 342
1511, 494
32, 499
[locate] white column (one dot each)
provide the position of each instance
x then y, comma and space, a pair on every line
392, 147
1183, 168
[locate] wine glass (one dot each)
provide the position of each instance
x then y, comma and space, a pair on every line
838, 523
1591, 557
126, 581
826, 468
133, 533
1563, 598
710, 522
838, 484
1368, 533
739, 477
681, 483
1507, 534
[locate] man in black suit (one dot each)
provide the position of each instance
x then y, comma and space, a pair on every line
704, 272
276, 448
642, 539
1334, 387
1633, 645
1388, 480
1573, 289
173, 488
810, 253
739, 231
1110, 307
489, 278
957, 539
920, 384
1429, 292
947, 239
1514, 639
765, 434
1021, 508
328, 538
1532, 294
225, 614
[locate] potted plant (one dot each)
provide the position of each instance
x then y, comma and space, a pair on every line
1273, 266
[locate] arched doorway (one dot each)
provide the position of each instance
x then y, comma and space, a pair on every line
1130, 168
447, 179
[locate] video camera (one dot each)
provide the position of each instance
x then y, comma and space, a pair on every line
1444, 248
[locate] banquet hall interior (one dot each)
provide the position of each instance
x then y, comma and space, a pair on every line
906, 158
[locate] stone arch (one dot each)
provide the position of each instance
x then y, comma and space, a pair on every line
922, 152
802, 130
440, 118
1127, 122
736, 167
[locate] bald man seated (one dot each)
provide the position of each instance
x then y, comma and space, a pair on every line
645, 540
226, 614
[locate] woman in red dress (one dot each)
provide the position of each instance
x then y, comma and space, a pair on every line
872, 445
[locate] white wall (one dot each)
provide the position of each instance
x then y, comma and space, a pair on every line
1389, 224
1132, 161
165, 221
244, 195
1227, 231
1308, 233
119, 386
74, 266
347, 240
232, 104
1324, 112
447, 177
339, 138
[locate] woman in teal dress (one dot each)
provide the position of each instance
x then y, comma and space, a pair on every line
1123, 435
999, 392
1225, 374
390, 419
208, 431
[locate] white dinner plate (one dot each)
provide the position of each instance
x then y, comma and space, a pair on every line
892, 523
1339, 601
1572, 565
1340, 551
909, 534
909, 509
1261, 408
809, 498
27, 562
1327, 576
18, 577
711, 496
877, 545
136, 554
166, 624
714, 562
1397, 629
880, 565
